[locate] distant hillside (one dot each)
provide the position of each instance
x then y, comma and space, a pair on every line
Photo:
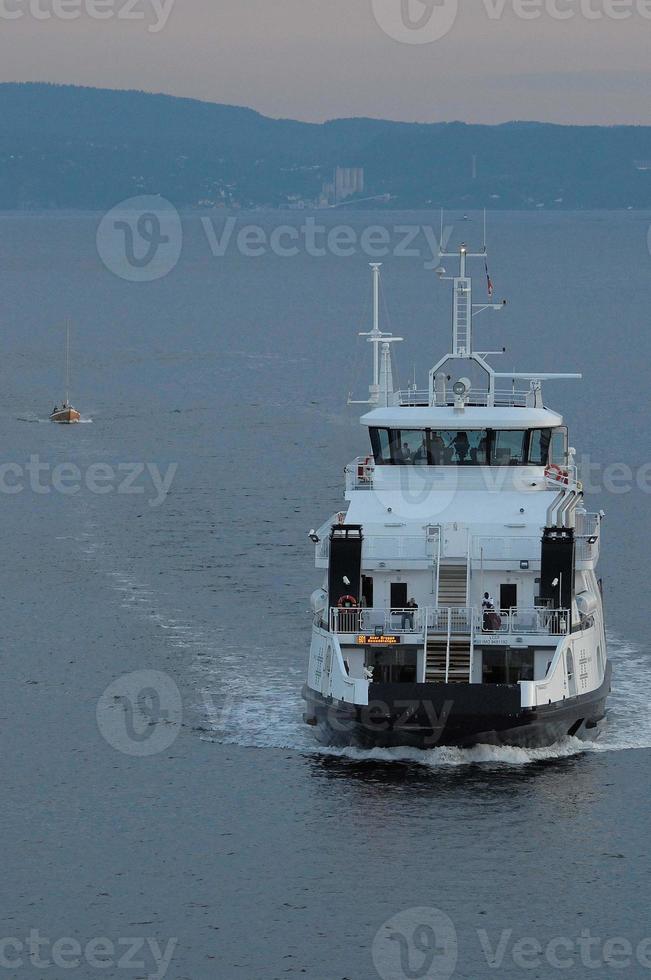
67, 147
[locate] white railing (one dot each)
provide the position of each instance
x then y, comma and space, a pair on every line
506, 398
588, 524
538, 621
359, 473
414, 397
456, 620
387, 622
452, 619
587, 549
588, 531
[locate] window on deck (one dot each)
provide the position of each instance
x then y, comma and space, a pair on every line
508, 448
381, 446
559, 446
460, 447
539, 444
410, 447
468, 447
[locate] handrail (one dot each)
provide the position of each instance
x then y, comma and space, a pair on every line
587, 536
364, 619
503, 398
449, 620
537, 621
360, 473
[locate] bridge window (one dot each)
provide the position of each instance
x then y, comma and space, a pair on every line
559, 446
381, 446
459, 447
468, 447
410, 447
539, 445
508, 448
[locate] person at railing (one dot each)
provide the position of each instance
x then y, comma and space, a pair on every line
488, 602
408, 614
490, 621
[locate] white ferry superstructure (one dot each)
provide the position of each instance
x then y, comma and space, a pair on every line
460, 602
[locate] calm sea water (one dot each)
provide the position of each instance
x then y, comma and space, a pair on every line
260, 854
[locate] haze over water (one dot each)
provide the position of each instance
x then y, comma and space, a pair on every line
241, 838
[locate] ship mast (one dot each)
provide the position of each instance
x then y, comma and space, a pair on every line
382, 386
464, 311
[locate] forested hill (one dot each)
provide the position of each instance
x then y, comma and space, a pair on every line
69, 147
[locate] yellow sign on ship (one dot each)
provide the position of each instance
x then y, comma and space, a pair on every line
379, 641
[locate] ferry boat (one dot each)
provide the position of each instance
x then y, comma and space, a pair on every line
460, 602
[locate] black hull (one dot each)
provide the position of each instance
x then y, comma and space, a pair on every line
425, 716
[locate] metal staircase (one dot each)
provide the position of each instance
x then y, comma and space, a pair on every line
437, 668
453, 585
448, 642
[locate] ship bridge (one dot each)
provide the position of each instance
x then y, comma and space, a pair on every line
433, 436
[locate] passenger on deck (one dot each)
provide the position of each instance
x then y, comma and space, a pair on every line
408, 617
490, 617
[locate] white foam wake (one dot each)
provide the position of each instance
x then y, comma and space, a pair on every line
251, 697
629, 705
265, 711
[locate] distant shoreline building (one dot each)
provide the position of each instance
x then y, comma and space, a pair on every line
346, 182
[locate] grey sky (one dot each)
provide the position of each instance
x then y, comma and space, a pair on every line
318, 59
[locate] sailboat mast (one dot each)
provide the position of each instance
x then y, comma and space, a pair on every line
68, 363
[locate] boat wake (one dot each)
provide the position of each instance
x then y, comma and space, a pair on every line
262, 707
38, 421
629, 705
244, 711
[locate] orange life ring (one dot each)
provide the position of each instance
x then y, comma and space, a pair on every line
348, 602
362, 468
557, 473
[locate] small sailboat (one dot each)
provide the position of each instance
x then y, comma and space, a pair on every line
66, 414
